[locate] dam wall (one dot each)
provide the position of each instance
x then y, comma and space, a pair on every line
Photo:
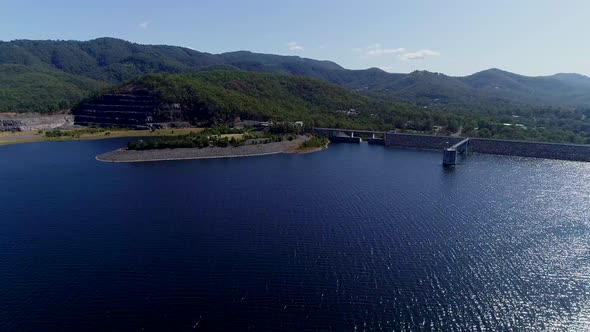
345, 139
562, 151
376, 141
416, 141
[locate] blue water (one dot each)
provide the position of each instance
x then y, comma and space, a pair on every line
354, 238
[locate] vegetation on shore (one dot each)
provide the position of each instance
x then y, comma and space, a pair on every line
221, 136
77, 133
315, 142
96, 132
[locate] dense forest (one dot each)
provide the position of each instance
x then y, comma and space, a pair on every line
220, 96
24, 88
52, 76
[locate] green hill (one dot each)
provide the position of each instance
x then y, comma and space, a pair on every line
220, 96
29, 89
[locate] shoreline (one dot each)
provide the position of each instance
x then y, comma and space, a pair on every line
184, 158
130, 156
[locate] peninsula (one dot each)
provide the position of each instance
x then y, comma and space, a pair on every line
127, 155
220, 142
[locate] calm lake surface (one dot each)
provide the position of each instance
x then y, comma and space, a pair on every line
354, 238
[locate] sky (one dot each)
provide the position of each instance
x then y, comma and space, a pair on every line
455, 37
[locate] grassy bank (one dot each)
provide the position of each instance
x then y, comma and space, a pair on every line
7, 138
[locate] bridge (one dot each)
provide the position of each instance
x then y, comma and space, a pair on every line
351, 135
450, 154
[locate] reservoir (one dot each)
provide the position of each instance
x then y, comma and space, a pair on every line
352, 238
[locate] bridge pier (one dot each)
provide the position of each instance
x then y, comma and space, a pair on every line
450, 157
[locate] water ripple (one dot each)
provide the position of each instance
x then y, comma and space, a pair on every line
352, 238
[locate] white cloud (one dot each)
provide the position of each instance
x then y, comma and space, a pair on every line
144, 24
295, 47
373, 46
385, 51
377, 50
418, 55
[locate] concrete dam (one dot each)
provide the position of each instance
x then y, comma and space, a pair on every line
452, 146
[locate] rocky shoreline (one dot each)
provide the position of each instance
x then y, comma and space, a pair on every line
127, 156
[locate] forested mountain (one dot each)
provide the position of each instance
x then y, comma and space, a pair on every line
104, 59
78, 67
50, 76
277, 63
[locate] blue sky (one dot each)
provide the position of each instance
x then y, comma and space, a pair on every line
456, 37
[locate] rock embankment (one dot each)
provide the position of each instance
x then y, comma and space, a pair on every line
124, 155
32, 122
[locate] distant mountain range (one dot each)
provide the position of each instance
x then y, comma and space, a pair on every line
53, 75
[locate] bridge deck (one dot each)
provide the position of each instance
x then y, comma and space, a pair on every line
456, 146
350, 130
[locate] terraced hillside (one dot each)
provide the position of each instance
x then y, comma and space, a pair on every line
134, 107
